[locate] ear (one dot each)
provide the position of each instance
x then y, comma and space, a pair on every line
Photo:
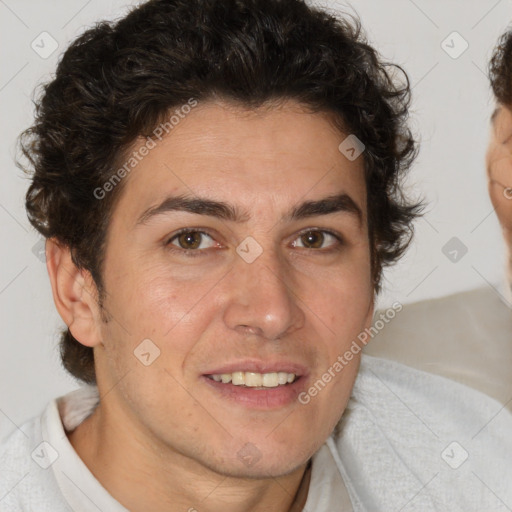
74, 293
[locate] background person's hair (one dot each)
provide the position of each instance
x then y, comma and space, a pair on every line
119, 80
500, 69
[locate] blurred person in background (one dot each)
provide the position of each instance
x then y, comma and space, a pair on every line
468, 336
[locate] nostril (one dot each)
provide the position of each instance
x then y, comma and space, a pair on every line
250, 329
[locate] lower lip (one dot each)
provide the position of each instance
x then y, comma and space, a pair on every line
263, 399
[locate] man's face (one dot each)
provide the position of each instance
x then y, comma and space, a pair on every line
291, 299
499, 167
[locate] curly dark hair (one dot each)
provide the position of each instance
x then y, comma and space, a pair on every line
120, 79
500, 69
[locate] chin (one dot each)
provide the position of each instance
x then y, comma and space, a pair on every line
261, 470
263, 459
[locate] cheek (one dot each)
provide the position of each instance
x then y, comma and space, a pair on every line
349, 301
500, 167
152, 305
500, 173
339, 312
348, 295
155, 301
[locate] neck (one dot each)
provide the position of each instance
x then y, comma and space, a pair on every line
142, 477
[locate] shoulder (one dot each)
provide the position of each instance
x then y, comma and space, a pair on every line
26, 480
464, 337
417, 441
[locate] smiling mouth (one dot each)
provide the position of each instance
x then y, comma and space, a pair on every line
255, 380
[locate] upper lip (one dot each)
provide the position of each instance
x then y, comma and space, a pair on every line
259, 366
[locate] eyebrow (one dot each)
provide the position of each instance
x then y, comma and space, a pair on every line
224, 211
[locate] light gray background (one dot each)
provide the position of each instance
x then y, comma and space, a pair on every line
451, 107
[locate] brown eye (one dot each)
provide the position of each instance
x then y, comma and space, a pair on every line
190, 240
318, 239
312, 239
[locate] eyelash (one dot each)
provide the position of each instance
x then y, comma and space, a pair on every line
200, 252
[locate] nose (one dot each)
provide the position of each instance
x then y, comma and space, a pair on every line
261, 298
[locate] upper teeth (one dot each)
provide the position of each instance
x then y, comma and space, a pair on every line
251, 379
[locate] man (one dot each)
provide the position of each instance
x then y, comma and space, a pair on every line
218, 182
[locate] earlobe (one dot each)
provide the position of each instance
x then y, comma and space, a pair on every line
74, 293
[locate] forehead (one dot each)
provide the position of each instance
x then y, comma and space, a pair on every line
502, 123
249, 157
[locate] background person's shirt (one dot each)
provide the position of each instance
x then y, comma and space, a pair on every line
408, 441
466, 337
